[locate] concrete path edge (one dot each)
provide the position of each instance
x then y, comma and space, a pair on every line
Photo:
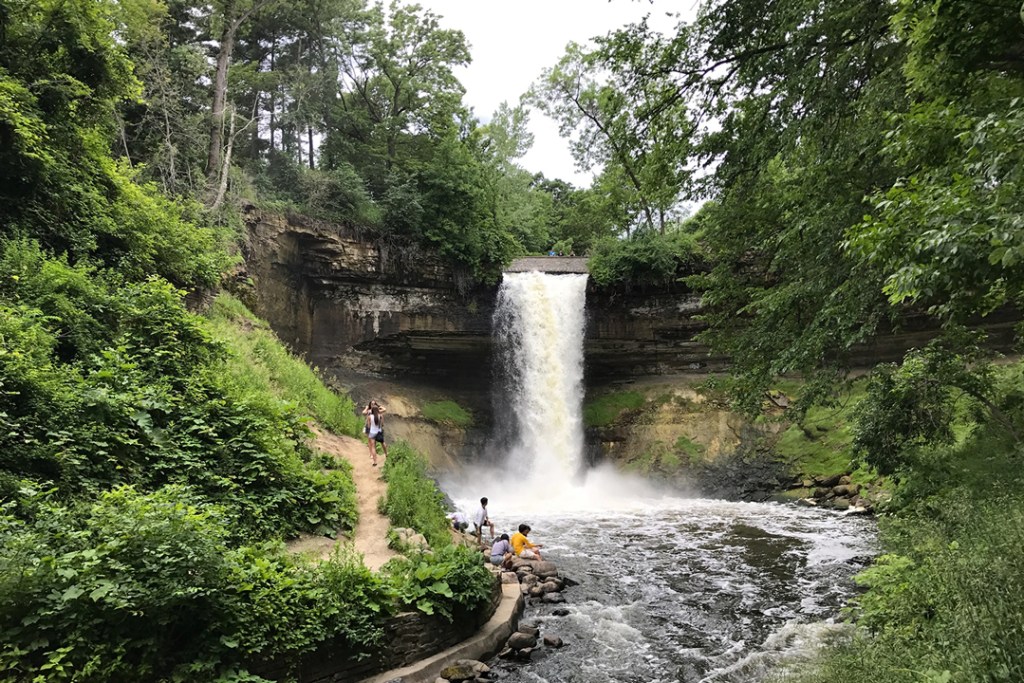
487, 642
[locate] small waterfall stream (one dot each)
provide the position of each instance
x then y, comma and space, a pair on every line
670, 588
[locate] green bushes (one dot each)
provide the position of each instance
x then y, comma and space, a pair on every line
647, 259
105, 382
146, 586
441, 581
412, 500
945, 602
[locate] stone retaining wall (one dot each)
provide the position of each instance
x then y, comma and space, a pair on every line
408, 637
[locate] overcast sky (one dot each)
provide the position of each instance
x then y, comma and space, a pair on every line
512, 42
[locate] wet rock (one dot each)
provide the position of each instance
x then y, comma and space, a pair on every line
458, 672
553, 598
529, 580
821, 492
532, 629
829, 481
553, 641
846, 490
560, 612
535, 591
509, 577
550, 587
506, 653
524, 589
545, 569
478, 666
521, 641
807, 502
524, 654
841, 503
568, 583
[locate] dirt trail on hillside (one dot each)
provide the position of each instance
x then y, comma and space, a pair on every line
371, 532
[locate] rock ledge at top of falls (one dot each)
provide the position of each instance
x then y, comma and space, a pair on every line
549, 264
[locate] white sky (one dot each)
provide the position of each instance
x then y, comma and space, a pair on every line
512, 42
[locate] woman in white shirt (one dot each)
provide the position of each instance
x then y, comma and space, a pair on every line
374, 429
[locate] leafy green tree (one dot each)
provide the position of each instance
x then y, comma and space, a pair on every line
948, 233
627, 127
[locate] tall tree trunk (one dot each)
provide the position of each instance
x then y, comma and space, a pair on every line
309, 137
220, 94
222, 186
273, 93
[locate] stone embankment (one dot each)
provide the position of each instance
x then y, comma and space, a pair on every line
838, 492
528, 581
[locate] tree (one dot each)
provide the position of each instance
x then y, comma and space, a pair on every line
629, 126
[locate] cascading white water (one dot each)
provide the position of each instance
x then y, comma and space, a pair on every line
539, 323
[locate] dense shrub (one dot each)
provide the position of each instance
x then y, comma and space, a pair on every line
146, 587
945, 602
105, 382
441, 581
648, 259
413, 500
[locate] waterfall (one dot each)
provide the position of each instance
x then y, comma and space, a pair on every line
538, 329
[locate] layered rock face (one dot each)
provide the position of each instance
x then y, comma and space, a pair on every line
346, 304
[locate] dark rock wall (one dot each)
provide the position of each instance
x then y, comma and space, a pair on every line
348, 305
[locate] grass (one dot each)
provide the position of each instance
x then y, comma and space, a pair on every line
605, 409
448, 413
822, 442
259, 361
412, 500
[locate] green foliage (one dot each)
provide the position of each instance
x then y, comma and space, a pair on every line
441, 582
62, 73
648, 259
413, 500
919, 402
820, 441
105, 383
447, 412
260, 362
604, 410
146, 587
945, 603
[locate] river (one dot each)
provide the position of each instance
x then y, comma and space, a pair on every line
689, 590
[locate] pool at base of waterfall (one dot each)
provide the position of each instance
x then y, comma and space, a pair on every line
690, 590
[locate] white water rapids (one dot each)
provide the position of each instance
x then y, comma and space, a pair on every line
669, 588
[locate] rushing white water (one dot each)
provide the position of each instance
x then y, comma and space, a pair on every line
668, 588
688, 590
539, 323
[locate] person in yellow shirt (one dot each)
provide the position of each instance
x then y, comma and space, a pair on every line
522, 546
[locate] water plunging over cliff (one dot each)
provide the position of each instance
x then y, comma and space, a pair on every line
538, 330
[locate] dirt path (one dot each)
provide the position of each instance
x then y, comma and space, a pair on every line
371, 531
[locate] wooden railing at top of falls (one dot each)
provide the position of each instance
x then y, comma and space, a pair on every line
549, 264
